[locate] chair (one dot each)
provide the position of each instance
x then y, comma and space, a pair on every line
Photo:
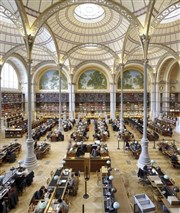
142, 177
29, 178
48, 181
99, 181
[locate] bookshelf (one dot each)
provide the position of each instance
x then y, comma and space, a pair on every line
132, 104
92, 102
12, 103
48, 103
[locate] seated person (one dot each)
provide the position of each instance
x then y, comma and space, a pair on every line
71, 182
126, 145
174, 158
40, 193
95, 152
145, 170
62, 206
35, 144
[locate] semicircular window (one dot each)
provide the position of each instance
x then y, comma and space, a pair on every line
132, 79
9, 77
50, 81
92, 79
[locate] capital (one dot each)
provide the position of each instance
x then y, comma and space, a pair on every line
146, 61
29, 41
29, 61
60, 66
144, 39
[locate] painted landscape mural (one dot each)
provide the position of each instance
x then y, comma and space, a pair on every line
50, 81
92, 79
132, 79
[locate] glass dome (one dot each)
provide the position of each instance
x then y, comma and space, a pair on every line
89, 13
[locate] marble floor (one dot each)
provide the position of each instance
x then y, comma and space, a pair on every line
122, 160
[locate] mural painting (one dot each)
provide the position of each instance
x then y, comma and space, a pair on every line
92, 79
50, 81
132, 79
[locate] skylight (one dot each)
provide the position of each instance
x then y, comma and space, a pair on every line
173, 16
89, 13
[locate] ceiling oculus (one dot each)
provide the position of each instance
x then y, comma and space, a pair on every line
89, 13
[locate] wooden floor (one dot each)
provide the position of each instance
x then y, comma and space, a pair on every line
125, 176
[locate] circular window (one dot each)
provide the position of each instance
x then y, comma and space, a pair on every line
89, 13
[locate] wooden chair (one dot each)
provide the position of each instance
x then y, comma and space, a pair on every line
99, 181
48, 181
52, 173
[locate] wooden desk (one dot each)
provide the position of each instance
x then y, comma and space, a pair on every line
77, 164
104, 171
59, 187
171, 208
13, 133
155, 180
42, 150
120, 196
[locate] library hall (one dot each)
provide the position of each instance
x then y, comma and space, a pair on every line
89, 106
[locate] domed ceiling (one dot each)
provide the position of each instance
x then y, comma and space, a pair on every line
78, 32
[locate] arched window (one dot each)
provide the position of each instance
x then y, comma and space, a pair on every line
9, 77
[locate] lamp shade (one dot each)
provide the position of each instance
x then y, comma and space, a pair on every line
111, 177
166, 177
20, 161
108, 162
63, 161
116, 205
56, 177
176, 189
152, 161
113, 190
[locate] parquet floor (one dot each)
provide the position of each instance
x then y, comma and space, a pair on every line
121, 160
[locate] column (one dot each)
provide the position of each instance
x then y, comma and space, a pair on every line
30, 161
71, 98
33, 96
121, 110
153, 99
144, 158
112, 100
165, 98
157, 100
60, 105
1, 117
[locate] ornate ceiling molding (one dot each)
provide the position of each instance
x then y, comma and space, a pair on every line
43, 64
65, 3
90, 45
12, 51
13, 18
165, 13
91, 62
